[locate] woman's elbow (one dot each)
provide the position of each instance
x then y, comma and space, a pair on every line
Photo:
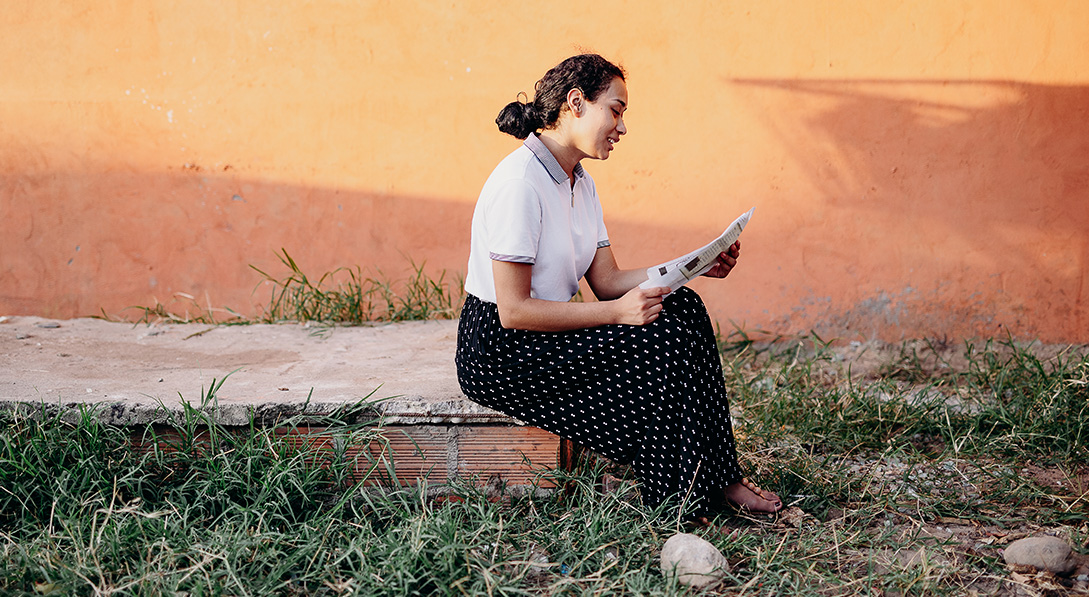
507, 317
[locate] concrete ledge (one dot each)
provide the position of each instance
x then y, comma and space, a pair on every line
139, 374
392, 412
400, 377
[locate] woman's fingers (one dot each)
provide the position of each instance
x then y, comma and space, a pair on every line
641, 306
653, 313
651, 305
725, 261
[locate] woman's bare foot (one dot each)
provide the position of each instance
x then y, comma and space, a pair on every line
749, 496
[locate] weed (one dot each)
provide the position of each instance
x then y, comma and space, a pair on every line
346, 296
183, 308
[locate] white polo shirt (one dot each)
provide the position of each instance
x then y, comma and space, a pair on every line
528, 212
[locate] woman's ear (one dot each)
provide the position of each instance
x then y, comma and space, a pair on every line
574, 101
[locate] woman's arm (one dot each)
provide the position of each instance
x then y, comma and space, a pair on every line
608, 281
517, 310
606, 278
620, 300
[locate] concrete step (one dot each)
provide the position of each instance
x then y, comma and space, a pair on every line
399, 376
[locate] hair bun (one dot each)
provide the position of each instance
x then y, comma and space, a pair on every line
518, 119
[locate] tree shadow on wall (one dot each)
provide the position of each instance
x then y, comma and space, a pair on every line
84, 242
962, 203
105, 239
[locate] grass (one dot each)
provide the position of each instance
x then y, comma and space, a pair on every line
183, 308
344, 296
213, 510
347, 297
905, 472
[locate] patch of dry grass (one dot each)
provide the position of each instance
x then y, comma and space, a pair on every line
902, 476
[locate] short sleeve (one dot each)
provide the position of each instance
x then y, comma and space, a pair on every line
602, 233
512, 218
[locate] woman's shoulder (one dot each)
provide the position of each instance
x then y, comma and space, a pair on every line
515, 164
519, 168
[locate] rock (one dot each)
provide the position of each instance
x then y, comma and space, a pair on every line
1044, 553
794, 517
538, 566
611, 484
695, 561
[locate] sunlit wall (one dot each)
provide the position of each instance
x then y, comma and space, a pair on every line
917, 168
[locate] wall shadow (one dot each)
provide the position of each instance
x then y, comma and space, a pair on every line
890, 209
931, 207
80, 243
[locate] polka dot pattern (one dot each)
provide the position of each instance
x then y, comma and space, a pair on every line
650, 396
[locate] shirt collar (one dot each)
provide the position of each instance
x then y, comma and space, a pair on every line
539, 149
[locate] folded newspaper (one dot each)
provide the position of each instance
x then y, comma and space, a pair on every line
678, 272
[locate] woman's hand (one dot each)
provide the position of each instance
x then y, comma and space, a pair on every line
640, 306
518, 310
725, 262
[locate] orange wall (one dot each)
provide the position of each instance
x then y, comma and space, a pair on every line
918, 168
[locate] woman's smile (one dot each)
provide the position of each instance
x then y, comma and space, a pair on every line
604, 119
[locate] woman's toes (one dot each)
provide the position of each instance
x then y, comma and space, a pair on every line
747, 495
767, 495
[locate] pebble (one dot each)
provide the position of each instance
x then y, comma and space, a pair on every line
49, 325
1044, 553
538, 563
695, 561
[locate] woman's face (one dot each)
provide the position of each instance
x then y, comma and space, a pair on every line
599, 124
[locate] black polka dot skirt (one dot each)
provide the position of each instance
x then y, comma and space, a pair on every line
650, 396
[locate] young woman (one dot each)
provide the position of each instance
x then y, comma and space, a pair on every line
635, 376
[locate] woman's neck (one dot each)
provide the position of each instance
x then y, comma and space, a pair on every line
566, 154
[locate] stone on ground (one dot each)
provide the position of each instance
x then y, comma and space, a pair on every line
695, 561
1044, 553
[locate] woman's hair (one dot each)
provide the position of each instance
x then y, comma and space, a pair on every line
588, 72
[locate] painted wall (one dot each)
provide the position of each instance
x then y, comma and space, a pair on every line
918, 168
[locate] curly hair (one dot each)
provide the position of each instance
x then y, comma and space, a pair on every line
589, 73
